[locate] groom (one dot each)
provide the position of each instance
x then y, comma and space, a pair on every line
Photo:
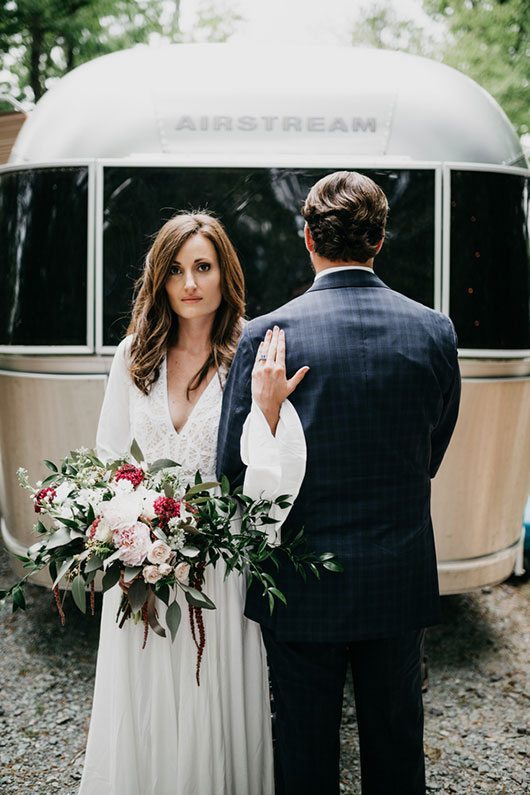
378, 408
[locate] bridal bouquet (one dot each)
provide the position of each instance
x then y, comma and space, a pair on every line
139, 525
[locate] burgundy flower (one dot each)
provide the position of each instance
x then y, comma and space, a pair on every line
129, 472
93, 527
47, 494
166, 508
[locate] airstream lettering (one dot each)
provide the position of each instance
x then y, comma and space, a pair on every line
79, 200
275, 123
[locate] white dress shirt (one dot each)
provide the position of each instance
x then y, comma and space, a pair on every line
343, 268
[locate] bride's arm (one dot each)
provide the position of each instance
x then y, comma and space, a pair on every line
113, 438
273, 443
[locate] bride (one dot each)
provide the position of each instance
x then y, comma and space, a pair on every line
153, 731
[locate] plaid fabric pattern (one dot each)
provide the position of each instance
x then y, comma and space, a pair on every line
378, 408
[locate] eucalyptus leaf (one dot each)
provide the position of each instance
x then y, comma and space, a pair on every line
93, 564
19, 602
79, 593
278, 594
131, 572
137, 594
50, 465
333, 565
63, 568
189, 552
162, 463
173, 616
200, 487
136, 451
162, 591
198, 599
111, 577
59, 538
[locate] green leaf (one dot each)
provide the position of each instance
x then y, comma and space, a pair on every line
58, 539
131, 572
200, 487
50, 465
79, 593
137, 594
68, 522
162, 591
50, 479
326, 556
196, 598
19, 602
225, 485
168, 490
162, 463
136, 451
198, 478
93, 564
278, 594
111, 577
333, 565
173, 615
65, 565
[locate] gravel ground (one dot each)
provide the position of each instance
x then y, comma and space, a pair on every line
477, 708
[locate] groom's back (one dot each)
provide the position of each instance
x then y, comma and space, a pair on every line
382, 367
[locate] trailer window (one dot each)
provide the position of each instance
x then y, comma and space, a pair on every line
490, 262
43, 256
260, 209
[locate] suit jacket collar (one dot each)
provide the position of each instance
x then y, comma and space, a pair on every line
349, 278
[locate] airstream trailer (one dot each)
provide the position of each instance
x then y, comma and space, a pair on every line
119, 144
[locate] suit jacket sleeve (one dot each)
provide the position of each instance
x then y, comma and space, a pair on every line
441, 435
237, 401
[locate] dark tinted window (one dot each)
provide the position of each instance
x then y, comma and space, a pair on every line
489, 296
260, 209
43, 256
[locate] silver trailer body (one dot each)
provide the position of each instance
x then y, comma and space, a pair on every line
119, 144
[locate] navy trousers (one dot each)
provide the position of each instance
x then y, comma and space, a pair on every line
307, 684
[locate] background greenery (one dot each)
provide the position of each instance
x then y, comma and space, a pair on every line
489, 40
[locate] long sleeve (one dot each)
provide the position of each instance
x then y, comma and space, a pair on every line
113, 438
275, 464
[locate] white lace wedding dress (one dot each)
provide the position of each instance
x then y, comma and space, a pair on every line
153, 731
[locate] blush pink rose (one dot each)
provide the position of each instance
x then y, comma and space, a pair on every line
182, 573
133, 543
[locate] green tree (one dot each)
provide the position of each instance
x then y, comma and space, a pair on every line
489, 40
380, 26
41, 40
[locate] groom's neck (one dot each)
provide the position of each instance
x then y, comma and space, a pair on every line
321, 263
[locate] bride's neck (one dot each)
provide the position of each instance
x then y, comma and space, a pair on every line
194, 336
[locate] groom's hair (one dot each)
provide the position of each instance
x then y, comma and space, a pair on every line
346, 214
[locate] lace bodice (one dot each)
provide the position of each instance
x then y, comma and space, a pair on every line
129, 414
194, 446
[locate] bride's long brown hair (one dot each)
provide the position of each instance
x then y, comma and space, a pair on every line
154, 325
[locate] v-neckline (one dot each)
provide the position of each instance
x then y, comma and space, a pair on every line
168, 410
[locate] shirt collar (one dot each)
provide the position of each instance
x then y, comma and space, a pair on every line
343, 268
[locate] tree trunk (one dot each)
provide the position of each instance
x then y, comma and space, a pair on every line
36, 45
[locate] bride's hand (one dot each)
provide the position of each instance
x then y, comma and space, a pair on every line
270, 385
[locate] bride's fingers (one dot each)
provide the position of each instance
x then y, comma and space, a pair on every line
280, 350
271, 353
293, 382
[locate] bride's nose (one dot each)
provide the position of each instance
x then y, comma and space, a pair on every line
190, 284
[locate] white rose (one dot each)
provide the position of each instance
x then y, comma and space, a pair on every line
151, 574
122, 511
103, 532
159, 552
123, 486
148, 497
165, 569
182, 572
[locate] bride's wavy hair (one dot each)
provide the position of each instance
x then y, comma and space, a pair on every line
154, 325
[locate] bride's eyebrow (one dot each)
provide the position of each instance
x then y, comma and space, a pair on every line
195, 261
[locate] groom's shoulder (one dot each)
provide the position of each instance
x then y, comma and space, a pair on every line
424, 316
259, 325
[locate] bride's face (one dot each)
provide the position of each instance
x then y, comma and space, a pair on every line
194, 284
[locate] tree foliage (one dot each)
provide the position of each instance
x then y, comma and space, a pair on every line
41, 40
489, 40
380, 26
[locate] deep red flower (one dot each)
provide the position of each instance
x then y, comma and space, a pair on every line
93, 527
166, 508
129, 472
47, 493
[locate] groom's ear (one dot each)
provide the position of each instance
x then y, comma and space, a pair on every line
379, 246
309, 242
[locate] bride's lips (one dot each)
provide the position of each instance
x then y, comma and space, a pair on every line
191, 300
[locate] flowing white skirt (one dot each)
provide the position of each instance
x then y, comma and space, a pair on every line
153, 731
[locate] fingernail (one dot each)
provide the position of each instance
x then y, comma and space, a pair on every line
276, 328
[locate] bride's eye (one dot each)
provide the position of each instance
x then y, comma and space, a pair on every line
204, 267
174, 270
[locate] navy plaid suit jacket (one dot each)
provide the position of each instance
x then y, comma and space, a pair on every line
378, 408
